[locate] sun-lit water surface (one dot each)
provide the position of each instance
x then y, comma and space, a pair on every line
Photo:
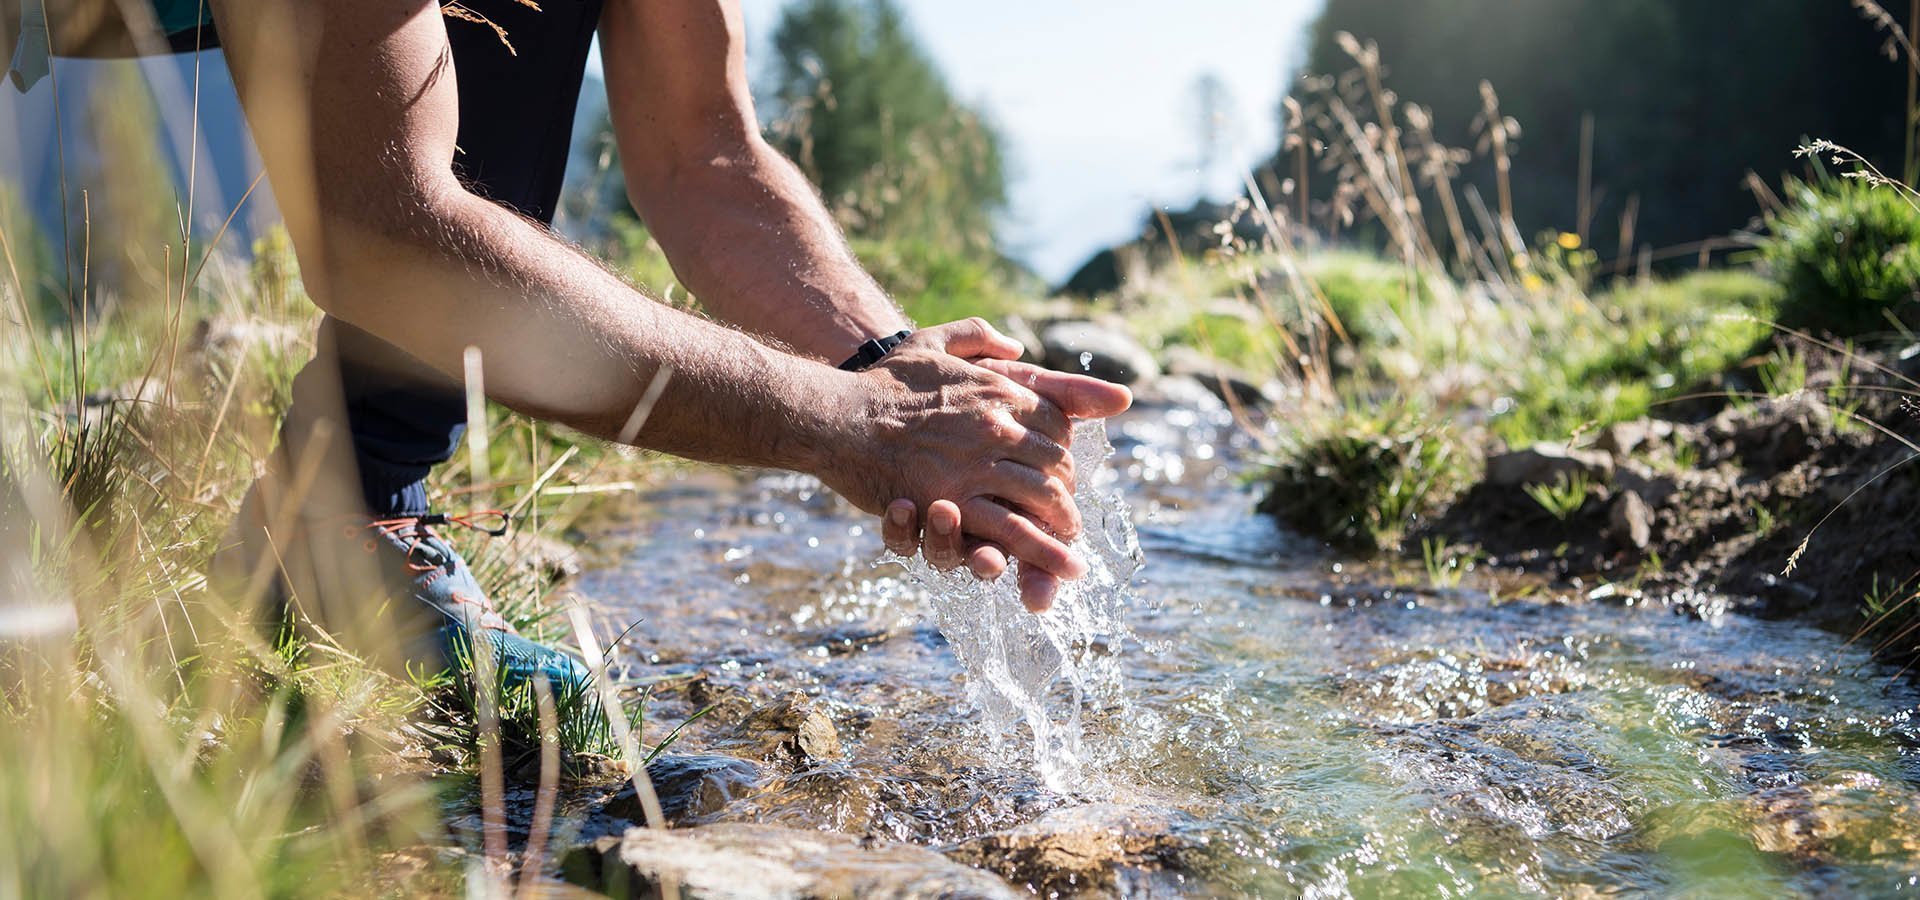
1313, 729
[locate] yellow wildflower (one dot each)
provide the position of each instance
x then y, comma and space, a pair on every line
1568, 241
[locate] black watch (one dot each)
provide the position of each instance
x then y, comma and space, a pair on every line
871, 351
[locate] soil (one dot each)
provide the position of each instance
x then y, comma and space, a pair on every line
1796, 505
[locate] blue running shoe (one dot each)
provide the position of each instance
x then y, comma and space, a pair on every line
422, 564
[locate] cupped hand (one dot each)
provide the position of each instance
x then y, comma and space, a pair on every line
930, 425
947, 547
946, 544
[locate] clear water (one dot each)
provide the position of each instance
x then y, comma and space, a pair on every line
1038, 674
1314, 728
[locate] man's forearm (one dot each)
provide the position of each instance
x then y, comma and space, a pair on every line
563, 339
759, 249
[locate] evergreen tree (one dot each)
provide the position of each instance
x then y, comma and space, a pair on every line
863, 109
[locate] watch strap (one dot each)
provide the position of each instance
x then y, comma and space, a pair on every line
872, 351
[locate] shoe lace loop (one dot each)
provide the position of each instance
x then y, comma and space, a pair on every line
490, 522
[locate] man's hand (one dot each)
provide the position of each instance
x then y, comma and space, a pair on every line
947, 544
926, 424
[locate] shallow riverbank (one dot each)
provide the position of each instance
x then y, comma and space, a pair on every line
1292, 723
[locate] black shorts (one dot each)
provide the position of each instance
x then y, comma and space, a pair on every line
517, 105
517, 91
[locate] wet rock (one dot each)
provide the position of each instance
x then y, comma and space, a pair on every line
1108, 353
1546, 463
791, 728
577, 768
689, 787
1623, 438
746, 862
1177, 392
1841, 816
1081, 849
842, 640
1221, 379
1631, 520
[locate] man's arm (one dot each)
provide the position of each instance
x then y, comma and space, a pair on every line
353, 105
744, 229
751, 238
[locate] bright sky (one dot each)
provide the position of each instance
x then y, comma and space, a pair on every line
1096, 99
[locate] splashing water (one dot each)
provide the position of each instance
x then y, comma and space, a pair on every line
1045, 670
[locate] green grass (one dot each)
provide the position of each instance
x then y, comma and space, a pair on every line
1360, 478
1848, 253
1565, 497
1619, 356
935, 284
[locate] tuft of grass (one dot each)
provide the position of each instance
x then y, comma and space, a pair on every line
1784, 373
1847, 253
1565, 497
1444, 570
1361, 478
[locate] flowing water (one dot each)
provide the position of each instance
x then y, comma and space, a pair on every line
1304, 727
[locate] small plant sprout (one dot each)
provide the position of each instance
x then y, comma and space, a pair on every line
1784, 374
1444, 570
1564, 497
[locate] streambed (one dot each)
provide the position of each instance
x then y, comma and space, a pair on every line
1282, 723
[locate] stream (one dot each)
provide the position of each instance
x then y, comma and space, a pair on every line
1288, 723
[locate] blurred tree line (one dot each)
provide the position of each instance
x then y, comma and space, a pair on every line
1684, 98
915, 176
850, 95
867, 114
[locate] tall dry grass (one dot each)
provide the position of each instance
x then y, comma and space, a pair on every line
160, 734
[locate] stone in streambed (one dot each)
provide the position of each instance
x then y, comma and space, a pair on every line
1631, 520
689, 787
791, 728
1546, 463
738, 861
1224, 380
1177, 392
1100, 849
1093, 349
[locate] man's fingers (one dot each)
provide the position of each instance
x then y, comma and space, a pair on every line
987, 561
1023, 539
1077, 395
1037, 589
1038, 451
972, 339
944, 546
1043, 416
899, 528
1045, 497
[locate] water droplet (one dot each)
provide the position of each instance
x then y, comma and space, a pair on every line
1086, 361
